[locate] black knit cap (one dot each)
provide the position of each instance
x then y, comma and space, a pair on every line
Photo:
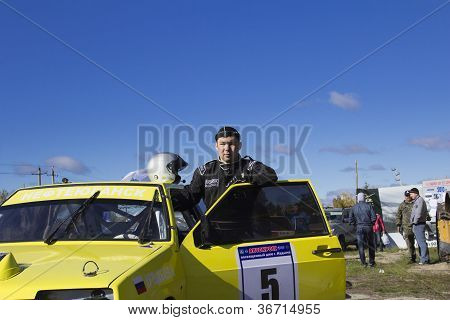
414, 190
225, 132
407, 193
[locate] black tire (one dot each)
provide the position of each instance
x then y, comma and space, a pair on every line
342, 242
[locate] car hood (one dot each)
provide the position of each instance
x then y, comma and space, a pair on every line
60, 266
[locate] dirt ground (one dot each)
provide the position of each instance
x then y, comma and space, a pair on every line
394, 278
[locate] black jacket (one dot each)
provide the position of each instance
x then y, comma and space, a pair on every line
213, 178
362, 214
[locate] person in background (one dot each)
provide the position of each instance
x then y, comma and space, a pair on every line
363, 215
418, 221
378, 230
404, 225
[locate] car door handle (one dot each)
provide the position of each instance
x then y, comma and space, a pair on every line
330, 250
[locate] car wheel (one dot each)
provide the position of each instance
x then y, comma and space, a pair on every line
342, 242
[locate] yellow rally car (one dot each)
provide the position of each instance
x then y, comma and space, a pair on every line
125, 241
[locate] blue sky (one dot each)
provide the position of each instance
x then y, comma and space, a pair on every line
225, 62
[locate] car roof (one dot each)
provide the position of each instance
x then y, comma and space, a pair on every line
140, 183
118, 183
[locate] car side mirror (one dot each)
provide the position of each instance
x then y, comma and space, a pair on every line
204, 233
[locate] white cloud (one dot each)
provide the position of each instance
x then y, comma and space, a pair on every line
347, 101
377, 167
25, 169
373, 167
68, 164
432, 143
348, 149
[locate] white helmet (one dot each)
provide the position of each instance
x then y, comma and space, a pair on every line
163, 167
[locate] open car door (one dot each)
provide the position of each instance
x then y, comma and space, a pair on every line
264, 243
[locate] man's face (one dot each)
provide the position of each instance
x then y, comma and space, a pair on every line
408, 198
413, 196
228, 149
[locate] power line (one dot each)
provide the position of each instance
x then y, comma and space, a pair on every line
16, 173
38, 173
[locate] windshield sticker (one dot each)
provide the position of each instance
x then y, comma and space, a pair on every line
139, 284
267, 272
78, 192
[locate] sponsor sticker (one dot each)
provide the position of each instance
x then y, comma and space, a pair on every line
81, 192
267, 272
209, 183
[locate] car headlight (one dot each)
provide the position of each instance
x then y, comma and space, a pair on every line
76, 294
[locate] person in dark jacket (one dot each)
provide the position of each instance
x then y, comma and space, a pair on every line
214, 177
363, 215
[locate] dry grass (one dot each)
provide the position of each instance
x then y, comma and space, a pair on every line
394, 278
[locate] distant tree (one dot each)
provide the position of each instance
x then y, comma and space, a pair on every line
366, 186
344, 200
3, 195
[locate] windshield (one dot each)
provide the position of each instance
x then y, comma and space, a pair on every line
104, 219
251, 213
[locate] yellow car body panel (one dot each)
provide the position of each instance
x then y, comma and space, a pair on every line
319, 276
60, 266
167, 269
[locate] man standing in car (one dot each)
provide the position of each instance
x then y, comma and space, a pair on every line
404, 225
214, 177
363, 215
418, 221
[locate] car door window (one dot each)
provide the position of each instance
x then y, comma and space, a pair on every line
251, 213
185, 221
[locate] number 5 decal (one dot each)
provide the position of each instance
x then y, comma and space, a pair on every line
273, 283
267, 271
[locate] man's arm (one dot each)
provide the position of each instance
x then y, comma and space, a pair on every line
373, 216
383, 228
261, 174
398, 220
352, 216
191, 194
414, 213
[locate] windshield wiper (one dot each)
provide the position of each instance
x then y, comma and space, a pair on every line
50, 238
144, 237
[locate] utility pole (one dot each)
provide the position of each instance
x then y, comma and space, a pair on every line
39, 174
53, 175
356, 169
